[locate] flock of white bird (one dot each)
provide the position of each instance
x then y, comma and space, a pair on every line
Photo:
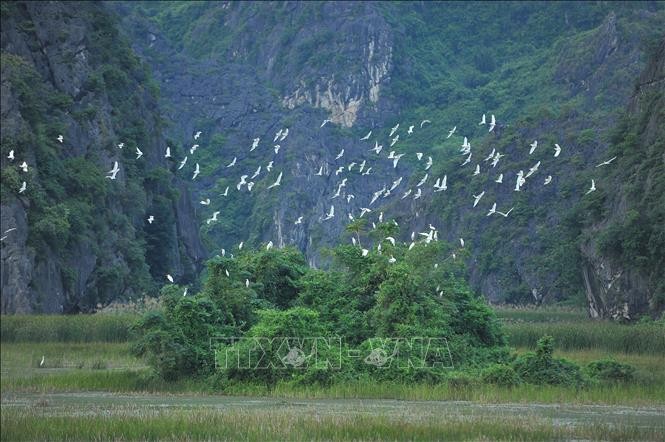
360, 167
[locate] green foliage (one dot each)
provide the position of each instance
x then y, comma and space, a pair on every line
500, 374
542, 367
610, 370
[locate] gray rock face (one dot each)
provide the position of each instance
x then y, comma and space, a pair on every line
54, 46
615, 286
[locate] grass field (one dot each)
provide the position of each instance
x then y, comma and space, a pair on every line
90, 355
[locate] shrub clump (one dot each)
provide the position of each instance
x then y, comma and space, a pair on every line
501, 374
541, 368
610, 370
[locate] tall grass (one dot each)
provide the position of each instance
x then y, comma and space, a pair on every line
70, 328
291, 425
601, 335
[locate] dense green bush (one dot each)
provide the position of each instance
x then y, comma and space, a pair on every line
542, 368
610, 370
501, 374
379, 310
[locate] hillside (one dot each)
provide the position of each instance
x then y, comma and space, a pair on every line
556, 73
74, 239
153, 74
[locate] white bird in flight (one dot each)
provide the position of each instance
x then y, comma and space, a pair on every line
255, 143
298, 221
24, 166
11, 155
197, 171
269, 166
410, 130
182, 163
197, 135
276, 183
243, 181
258, 171
151, 219
205, 202
41, 363
452, 131
232, 163
60, 138
340, 154
500, 179
557, 150
424, 122
482, 121
324, 123
492, 210
394, 140
330, 214
461, 241
366, 137
139, 154
121, 145
505, 215
320, 172
25, 186
429, 163
168, 152
193, 149
476, 198
477, 171
548, 180
113, 172
423, 180
592, 188
377, 147
419, 155
170, 278
605, 163
492, 123
226, 192
213, 219
276, 148
533, 145
533, 169
393, 130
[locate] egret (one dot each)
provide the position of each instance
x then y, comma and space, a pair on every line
429, 163
255, 143
193, 149
324, 123
461, 241
226, 192
393, 130
197, 135
419, 155
277, 135
482, 121
139, 154
182, 163
452, 131
243, 181
557, 150
240, 245
477, 198
418, 194
366, 137
25, 186
396, 159
11, 155
298, 221
407, 193
121, 145
197, 171
410, 130
547, 180
533, 169
205, 202
258, 171
392, 259
232, 163
477, 171
276, 183
505, 215
24, 166
533, 145
330, 214
247, 283
377, 147
213, 219
340, 154
151, 219
394, 140
269, 245
60, 138
500, 179
113, 172
339, 170
284, 134
170, 278
424, 122
269, 166
365, 252
276, 148
605, 163
492, 210
492, 123
41, 363
592, 188
391, 239
423, 180
168, 152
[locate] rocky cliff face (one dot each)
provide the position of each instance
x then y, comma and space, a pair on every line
623, 252
74, 239
239, 71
